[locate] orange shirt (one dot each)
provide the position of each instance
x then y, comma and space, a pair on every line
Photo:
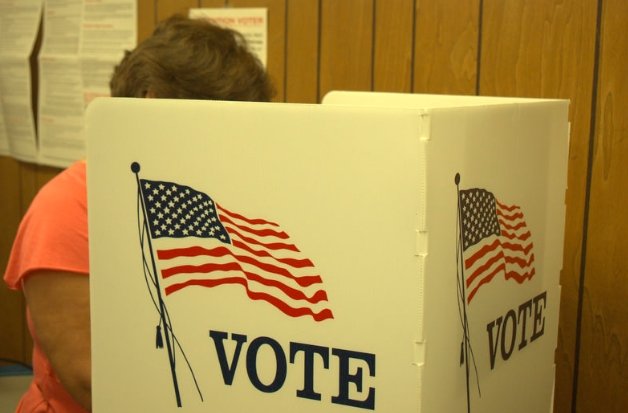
51, 236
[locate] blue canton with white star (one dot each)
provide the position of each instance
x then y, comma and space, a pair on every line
479, 216
178, 211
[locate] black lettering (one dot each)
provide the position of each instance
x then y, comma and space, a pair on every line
309, 351
526, 309
509, 315
493, 339
345, 378
539, 319
228, 372
251, 365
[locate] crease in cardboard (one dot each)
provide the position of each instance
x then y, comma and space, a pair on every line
422, 241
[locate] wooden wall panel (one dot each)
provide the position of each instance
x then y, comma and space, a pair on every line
12, 326
446, 46
546, 49
45, 174
146, 18
346, 45
393, 46
213, 3
603, 372
571, 77
32, 178
28, 184
302, 47
537, 48
13, 332
10, 207
166, 8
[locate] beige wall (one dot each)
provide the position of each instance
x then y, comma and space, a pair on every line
575, 49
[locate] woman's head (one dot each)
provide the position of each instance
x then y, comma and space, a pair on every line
192, 59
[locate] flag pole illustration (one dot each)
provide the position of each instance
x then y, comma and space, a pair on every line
194, 242
464, 350
493, 239
135, 168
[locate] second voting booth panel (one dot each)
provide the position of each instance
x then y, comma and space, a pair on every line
394, 253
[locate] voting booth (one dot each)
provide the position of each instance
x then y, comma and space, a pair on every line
384, 252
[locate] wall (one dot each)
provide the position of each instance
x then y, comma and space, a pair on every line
574, 49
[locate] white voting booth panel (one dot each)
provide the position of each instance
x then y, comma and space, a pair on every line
395, 253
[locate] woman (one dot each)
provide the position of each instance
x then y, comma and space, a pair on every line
49, 262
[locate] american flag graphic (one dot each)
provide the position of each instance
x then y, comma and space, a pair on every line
495, 241
198, 242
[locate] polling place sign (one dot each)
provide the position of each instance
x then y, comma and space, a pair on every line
377, 252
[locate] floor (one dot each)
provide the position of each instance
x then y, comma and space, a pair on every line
13, 383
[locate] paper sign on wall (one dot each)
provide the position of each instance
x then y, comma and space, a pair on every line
251, 22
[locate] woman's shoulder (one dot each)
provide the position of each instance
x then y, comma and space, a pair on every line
53, 232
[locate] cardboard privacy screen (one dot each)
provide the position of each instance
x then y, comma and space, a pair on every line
391, 253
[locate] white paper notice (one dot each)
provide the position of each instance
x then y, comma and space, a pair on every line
62, 26
108, 27
60, 85
83, 41
251, 22
19, 23
15, 84
60, 110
